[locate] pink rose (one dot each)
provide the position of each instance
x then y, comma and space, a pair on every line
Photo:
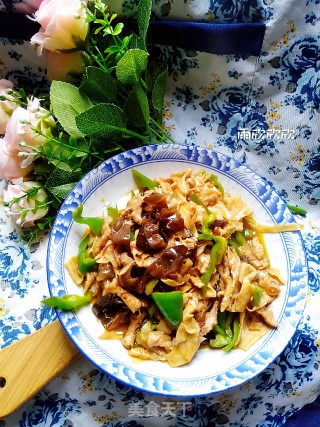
11, 162
6, 106
63, 25
25, 202
65, 66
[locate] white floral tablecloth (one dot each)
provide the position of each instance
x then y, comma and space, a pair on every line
262, 110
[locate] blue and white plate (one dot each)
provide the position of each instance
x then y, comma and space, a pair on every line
211, 370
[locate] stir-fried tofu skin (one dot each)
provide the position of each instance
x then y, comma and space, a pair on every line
186, 240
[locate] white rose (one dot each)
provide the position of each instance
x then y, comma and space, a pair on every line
19, 131
7, 106
25, 202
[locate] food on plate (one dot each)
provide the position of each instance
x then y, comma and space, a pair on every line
182, 266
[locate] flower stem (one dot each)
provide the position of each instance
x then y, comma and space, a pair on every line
166, 135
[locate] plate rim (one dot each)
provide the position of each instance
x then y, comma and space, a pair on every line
195, 150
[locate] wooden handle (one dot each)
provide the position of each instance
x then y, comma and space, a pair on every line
29, 364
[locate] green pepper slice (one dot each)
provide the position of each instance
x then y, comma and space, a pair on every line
257, 294
67, 302
220, 331
234, 244
248, 234
143, 181
296, 210
227, 332
170, 305
222, 319
113, 213
235, 334
85, 263
217, 183
205, 229
199, 202
94, 223
217, 252
150, 286
239, 238
219, 341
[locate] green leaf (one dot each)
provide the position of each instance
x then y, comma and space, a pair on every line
136, 107
57, 156
136, 42
117, 29
102, 121
98, 85
59, 177
113, 49
131, 66
62, 191
67, 103
60, 183
66, 153
144, 12
158, 90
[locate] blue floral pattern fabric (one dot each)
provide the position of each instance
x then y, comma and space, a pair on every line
264, 111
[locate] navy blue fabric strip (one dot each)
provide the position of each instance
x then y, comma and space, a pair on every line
309, 415
17, 26
243, 38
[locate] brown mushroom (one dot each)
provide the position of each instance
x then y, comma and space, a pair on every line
169, 262
149, 237
170, 221
111, 311
120, 232
133, 278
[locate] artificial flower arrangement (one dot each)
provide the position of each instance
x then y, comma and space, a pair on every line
106, 96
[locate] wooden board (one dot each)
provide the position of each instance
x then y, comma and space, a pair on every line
29, 364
